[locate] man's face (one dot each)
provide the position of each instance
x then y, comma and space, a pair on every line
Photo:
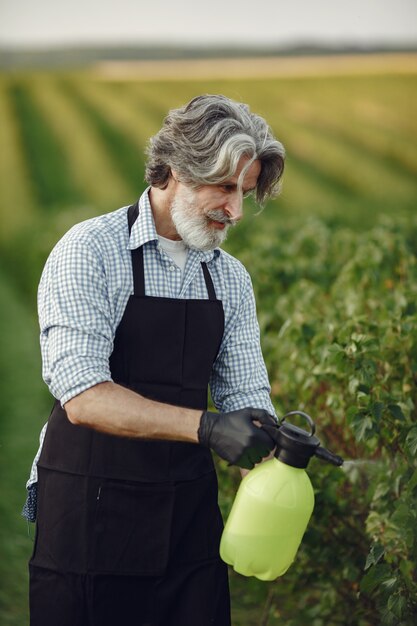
203, 216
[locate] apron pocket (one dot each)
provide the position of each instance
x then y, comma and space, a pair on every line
132, 528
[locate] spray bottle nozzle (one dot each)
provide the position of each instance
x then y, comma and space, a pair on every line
296, 446
328, 456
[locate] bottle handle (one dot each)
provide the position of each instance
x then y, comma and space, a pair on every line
306, 416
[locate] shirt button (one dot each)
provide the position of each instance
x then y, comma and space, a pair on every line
171, 268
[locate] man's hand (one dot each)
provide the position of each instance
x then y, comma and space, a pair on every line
235, 437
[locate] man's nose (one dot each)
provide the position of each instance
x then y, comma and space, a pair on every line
233, 206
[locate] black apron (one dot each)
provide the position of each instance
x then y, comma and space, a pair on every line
128, 530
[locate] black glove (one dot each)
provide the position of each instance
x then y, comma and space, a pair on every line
235, 437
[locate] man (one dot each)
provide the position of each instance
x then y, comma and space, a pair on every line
140, 311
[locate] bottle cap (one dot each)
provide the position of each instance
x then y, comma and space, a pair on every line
295, 446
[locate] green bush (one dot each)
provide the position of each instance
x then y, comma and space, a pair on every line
338, 321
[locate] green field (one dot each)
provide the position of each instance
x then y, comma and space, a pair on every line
332, 260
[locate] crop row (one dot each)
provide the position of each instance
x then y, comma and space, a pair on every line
82, 141
45, 161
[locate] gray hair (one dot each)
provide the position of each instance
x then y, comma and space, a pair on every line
204, 140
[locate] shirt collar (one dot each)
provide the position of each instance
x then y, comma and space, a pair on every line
143, 230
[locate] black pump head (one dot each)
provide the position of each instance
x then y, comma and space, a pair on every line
296, 446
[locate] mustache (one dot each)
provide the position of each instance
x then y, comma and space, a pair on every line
219, 216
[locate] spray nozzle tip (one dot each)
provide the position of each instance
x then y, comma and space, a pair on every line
328, 456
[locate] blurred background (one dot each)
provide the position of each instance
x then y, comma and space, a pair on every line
333, 260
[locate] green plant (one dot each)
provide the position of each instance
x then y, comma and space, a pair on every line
340, 343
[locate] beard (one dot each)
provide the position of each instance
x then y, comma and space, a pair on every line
193, 223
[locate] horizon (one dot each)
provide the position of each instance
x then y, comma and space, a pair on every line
233, 24
294, 45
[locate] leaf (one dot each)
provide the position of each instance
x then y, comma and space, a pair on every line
377, 409
390, 583
412, 484
396, 412
358, 337
335, 347
381, 490
375, 576
353, 385
411, 441
402, 518
367, 371
397, 605
362, 427
375, 554
351, 412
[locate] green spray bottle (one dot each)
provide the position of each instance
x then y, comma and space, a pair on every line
274, 504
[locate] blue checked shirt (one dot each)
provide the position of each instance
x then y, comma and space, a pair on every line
84, 290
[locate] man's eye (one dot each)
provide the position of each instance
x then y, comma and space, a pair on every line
228, 188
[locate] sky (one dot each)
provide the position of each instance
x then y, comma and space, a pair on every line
53, 22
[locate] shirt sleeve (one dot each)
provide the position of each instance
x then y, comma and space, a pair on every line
75, 318
239, 378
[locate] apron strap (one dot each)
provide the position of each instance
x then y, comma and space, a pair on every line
209, 282
137, 262
138, 272
137, 255
132, 215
